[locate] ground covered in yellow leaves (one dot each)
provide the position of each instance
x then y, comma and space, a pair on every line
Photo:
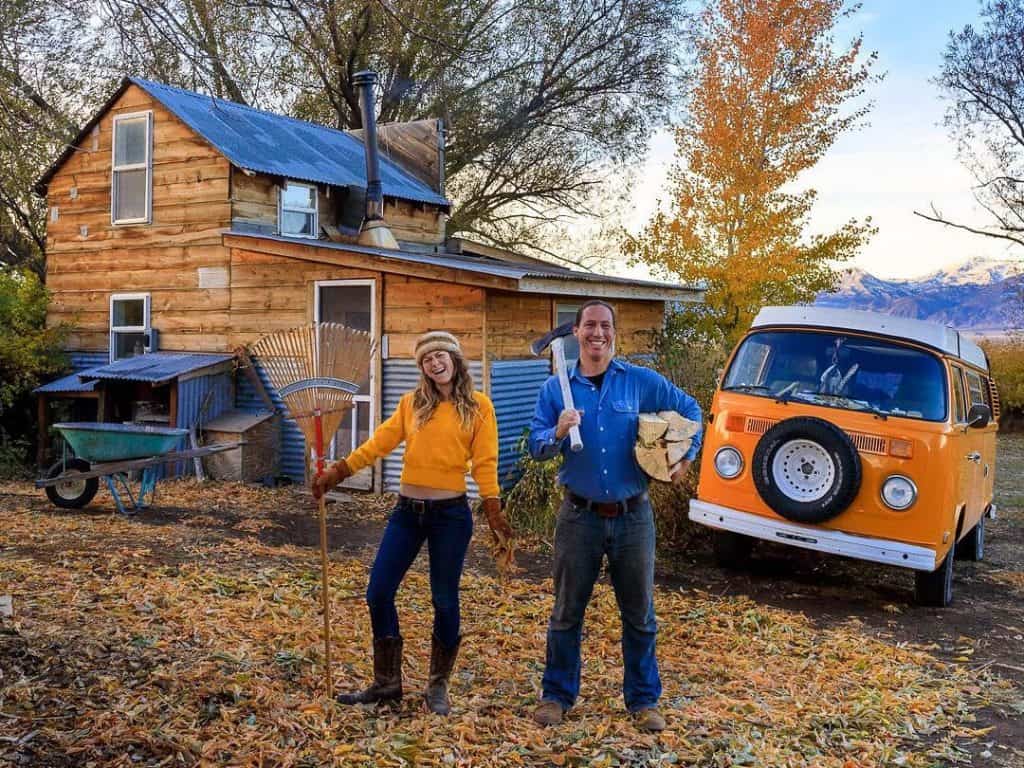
189, 635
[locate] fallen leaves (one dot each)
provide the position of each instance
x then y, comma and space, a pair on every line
196, 642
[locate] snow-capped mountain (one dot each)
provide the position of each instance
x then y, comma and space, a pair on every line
981, 295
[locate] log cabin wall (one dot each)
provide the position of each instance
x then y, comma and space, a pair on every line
88, 258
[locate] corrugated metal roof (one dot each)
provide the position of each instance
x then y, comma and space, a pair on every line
67, 384
156, 367
482, 265
284, 146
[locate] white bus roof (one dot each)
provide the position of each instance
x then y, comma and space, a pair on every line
941, 337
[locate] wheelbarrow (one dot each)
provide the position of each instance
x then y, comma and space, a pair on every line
110, 452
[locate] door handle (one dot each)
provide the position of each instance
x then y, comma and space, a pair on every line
974, 456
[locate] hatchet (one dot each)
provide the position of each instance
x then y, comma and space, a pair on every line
556, 340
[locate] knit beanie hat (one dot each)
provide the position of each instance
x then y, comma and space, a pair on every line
431, 341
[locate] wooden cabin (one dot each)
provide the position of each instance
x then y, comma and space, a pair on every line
180, 222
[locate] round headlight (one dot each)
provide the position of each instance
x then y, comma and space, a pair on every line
728, 462
899, 492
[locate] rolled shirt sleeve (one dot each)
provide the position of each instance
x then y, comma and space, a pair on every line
542, 442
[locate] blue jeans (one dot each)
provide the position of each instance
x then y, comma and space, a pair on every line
582, 539
447, 528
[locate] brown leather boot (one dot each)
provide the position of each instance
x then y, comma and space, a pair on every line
387, 674
442, 660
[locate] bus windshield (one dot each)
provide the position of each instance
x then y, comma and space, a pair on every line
840, 371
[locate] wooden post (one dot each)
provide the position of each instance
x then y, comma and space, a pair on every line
43, 442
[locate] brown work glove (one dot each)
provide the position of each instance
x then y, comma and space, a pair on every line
502, 544
336, 473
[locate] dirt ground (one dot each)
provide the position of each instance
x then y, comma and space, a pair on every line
981, 636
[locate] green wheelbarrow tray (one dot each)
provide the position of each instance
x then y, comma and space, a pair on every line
97, 442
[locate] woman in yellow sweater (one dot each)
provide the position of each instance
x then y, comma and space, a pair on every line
447, 428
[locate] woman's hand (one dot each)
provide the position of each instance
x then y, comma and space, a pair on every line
334, 474
502, 545
496, 518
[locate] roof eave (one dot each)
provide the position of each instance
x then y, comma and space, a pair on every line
598, 289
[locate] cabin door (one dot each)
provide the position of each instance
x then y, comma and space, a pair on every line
352, 303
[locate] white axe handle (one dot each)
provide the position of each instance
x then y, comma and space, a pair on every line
558, 354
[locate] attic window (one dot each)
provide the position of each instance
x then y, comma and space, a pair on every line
297, 210
132, 176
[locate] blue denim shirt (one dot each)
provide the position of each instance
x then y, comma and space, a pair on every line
606, 470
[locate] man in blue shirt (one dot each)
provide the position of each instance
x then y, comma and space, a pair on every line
605, 512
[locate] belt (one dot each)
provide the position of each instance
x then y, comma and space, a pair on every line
606, 508
422, 506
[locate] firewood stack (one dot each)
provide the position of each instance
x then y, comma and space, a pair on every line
663, 439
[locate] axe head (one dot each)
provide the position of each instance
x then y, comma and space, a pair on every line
541, 344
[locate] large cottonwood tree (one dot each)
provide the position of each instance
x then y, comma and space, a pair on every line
771, 93
982, 78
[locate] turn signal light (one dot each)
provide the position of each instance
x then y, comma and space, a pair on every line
735, 422
902, 449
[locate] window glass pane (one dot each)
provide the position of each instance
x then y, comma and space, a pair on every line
974, 387
959, 398
563, 314
130, 141
348, 305
839, 371
130, 195
362, 411
299, 196
128, 344
130, 312
296, 223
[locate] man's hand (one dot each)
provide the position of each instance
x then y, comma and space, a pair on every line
680, 474
334, 474
566, 420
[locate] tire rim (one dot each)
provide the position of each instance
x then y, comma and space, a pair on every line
803, 470
70, 489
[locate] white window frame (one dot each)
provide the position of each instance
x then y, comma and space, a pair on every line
115, 329
147, 165
335, 451
567, 306
315, 210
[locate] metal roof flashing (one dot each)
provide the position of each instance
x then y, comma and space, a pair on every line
942, 338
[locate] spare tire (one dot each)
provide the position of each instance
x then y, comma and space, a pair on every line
806, 469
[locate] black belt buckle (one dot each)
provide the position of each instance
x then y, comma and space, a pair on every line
419, 506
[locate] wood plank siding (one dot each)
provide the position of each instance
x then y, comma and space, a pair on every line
88, 258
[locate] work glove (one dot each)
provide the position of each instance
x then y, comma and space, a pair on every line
502, 544
338, 472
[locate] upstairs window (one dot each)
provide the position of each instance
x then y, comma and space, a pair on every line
563, 314
129, 325
132, 178
297, 210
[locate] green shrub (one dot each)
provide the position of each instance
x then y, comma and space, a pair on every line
532, 504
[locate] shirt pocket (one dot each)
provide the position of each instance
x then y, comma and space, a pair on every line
626, 416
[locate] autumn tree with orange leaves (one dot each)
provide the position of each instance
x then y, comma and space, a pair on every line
768, 101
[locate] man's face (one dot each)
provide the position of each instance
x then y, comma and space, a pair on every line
596, 334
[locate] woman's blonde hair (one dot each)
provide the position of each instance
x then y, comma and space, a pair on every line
427, 396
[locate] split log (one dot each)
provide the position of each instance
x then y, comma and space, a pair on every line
662, 441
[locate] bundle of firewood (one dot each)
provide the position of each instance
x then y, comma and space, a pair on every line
662, 441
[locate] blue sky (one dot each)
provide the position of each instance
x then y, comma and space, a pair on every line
901, 161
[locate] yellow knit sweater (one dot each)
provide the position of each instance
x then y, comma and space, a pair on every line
439, 453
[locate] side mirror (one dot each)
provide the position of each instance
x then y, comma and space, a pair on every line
979, 416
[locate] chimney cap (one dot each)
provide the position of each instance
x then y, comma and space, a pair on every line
366, 77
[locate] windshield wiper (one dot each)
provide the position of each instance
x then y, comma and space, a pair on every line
858, 405
740, 387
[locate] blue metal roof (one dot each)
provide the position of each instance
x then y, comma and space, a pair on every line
156, 367
284, 146
67, 384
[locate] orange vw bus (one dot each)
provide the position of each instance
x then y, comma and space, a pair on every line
852, 433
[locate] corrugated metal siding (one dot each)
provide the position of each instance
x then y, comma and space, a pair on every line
514, 388
191, 395
292, 461
401, 376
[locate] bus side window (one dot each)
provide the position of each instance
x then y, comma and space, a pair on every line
959, 397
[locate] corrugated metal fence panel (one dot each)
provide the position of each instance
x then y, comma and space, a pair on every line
514, 388
82, 360
191, 396
401, 376
292, 461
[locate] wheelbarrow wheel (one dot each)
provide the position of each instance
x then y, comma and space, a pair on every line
71, 493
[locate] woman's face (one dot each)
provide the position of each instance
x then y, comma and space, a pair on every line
438, 366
